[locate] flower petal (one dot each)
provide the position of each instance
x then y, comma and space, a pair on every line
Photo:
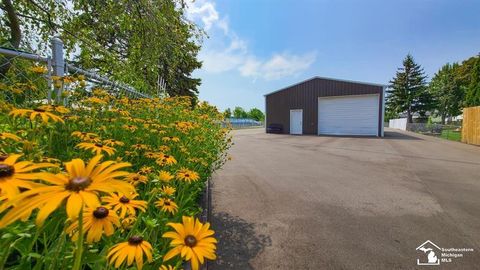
172, 253
74, 205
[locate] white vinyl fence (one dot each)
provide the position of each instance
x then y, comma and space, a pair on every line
399, 123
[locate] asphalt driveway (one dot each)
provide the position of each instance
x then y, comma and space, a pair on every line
309, 202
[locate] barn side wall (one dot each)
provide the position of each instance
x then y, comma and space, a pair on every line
305, 96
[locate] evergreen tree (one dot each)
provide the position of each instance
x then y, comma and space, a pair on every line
447, 91
408, 92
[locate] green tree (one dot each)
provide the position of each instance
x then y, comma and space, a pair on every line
131, 41
447, 91
390, 114
408, 92
140, 41
239, 112
256, 114
469, 75
227, 113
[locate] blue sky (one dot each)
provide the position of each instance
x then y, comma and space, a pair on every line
257, 46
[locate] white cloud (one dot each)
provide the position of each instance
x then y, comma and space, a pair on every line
233, 53
204, 11
219, 61
223, 24
250, 67
226, 58
282, 65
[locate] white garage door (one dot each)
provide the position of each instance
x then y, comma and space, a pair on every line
348, 115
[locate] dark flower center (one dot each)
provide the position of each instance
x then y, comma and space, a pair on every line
100, 212
78, 183
99, 145
124, 199
6, 170
39, 110
166, 156
190, 240
187, 175
135, 178
135, 240
3, 157
167, 203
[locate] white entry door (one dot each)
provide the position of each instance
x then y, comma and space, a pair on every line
348, 115
296, 120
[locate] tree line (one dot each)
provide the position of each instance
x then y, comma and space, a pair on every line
239, 112
131, 41
453, 87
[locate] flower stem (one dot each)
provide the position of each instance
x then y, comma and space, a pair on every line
79, 248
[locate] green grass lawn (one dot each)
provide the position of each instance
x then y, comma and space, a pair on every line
451, 135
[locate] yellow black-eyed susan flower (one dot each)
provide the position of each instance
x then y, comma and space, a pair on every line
128, 222
165, 176
95, 101
37, 112
146, 170
68, 79
170, 138
17, 175
51, 160
151, 155
39, 69
96, 222
140, 146
192, 240
167, 205
130, 127
79, 186
164, 148
125, 204
187, 175
136, 178
6, 135
96, 148
129, 153
165, 159
112, 142
131, 251
54, 108
86, 136
168, 190
28, 146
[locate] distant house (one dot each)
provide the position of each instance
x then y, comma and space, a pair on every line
416, 117
325, 106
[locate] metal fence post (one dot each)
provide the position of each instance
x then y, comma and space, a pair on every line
58, 65
49, 80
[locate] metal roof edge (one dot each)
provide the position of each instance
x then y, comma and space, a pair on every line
325, 78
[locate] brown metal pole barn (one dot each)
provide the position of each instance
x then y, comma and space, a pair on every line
325, 106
